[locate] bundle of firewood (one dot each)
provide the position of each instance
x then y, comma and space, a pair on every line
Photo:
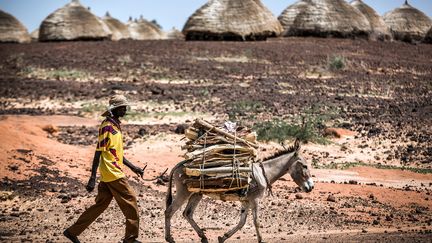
219, 158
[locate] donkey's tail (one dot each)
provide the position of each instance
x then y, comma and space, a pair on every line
169, 197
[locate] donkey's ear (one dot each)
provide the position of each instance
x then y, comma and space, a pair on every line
297, 145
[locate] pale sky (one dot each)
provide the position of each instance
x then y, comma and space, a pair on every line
168, 13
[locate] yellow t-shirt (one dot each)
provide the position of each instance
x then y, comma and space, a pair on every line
110, 143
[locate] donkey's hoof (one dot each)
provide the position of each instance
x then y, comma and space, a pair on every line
170, 239
204, 240
221, 239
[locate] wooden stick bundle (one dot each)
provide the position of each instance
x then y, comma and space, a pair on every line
219, 161
217, 170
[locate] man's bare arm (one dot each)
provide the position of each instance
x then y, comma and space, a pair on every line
134, 168
92, 181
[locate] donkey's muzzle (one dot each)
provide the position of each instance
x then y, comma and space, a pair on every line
309, 185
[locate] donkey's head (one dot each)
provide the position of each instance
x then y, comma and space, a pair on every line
299, 170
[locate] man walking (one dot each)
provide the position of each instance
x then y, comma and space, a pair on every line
109, 159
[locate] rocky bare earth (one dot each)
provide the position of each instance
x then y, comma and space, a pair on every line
384, 91
382, 96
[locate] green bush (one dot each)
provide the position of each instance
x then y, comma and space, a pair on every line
124, 59
57, 74
279, 131
336, 63
307, 127
244, 109
66, 74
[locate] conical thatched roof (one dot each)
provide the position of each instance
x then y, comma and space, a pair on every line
73, 22
428, 37
174, 34
34, 35
11, 30
118, 30
232, 20
380, 31
408, 23
143, 30
324, 18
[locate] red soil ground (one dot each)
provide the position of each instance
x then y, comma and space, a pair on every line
360, 211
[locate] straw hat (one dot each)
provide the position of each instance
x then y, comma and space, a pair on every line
114, 102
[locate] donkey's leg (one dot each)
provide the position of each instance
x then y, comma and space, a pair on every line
188, 214
255, 213
180, 198
243, 216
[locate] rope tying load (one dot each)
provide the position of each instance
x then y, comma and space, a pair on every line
219, 158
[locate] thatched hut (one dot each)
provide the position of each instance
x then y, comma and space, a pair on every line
142, 29
408, 23
232, 20
34, 35
11, 29
174, 34
428, 37
73, 22
324, 18
380, 31
118, 30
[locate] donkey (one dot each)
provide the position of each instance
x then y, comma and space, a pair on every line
286, 161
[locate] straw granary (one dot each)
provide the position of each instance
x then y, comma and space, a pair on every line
34, 35
142, 29
174, 34
11, 29
118, 30
324, 18
408, 23
380, 31
73, 22
232, 20
104, 26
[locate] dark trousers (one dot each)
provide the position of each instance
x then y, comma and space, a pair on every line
125, 198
